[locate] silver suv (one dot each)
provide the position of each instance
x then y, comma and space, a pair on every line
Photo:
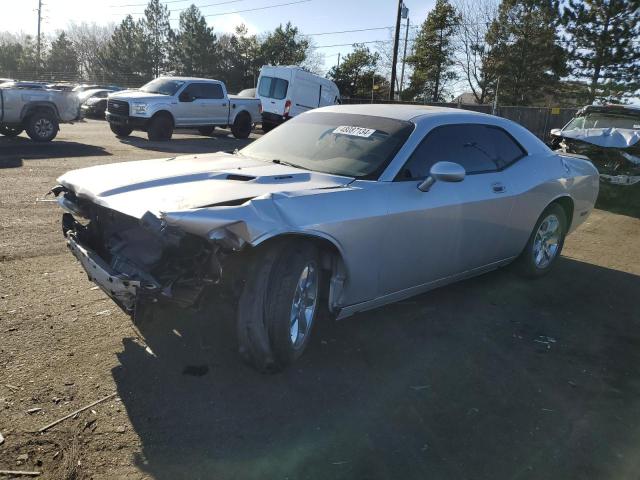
167, 103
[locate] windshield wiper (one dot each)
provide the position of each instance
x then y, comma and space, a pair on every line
281, 162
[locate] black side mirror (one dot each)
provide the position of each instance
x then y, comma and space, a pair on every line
185, 97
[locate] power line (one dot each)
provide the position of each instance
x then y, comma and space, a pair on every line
348, 31
255, 9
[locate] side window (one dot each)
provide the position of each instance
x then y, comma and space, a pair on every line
478, 148
212, 91
192, 90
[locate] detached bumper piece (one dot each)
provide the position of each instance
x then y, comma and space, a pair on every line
122, 290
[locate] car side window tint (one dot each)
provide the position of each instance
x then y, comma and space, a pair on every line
192, 91
478, 148
212, 91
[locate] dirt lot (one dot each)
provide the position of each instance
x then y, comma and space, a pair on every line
495, 377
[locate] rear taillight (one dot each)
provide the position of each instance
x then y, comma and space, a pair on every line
287, 107
260, 108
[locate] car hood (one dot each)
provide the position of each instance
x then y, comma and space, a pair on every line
189, 182
604, 137
137, 95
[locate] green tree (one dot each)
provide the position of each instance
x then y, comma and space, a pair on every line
355, 76
604, 35
193, 46
525, 57
62, 57
10, 55
284, 46
433, 56
126, 57
156, 31
239, 59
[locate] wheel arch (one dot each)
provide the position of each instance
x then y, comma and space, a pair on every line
164, 113
34, 107
332, 258
568, 205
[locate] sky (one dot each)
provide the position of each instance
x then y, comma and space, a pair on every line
311, 16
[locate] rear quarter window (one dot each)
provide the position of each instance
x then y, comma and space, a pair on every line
272, 87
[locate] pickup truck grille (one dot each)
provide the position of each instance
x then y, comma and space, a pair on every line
118, 107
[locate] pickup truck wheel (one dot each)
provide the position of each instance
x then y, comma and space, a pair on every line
42, 127
278, 305
241, 127
160, 128
266, 128
206, 131
120, 130
10, 131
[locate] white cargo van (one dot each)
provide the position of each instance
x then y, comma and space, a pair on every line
288, 91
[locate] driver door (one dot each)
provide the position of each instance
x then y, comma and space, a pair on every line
454, 227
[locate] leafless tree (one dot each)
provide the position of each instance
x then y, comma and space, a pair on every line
88, 39
472, 50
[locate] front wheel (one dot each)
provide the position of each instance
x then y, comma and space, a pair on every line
10, 131
42, 127
545, 243
278, 306
241, 127
160, 128
120, 130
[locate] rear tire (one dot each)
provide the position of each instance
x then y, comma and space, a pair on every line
160, 128
120, 130
42, 126
241, 127
278, 305
266, 128
545, 243
206, 131
10, 131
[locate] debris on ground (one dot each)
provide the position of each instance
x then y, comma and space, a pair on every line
23, 457
543, 339
18, 473
1, 439
87, 407
121, 429
33, 410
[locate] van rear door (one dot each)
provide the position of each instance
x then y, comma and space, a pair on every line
272, 92
305, 95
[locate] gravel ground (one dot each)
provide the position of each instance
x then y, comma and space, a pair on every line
494, 377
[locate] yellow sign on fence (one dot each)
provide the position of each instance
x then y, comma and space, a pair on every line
555, 111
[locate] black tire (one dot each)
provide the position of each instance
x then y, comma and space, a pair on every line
10, 131
266, 127
241, 127
206, 131
526, 262
42, 126
265, 338
120, 130
160, 128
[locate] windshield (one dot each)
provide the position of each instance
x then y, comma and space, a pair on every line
342, 144
162, 86
604, 120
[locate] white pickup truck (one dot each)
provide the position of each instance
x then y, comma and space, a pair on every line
168, 103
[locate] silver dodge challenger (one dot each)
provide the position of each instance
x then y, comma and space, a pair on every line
345, 208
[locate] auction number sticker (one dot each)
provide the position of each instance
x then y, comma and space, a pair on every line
355, 131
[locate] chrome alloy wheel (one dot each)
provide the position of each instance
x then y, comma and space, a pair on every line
304, 304
43, 127
547, 241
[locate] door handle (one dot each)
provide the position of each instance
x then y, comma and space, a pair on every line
498, 188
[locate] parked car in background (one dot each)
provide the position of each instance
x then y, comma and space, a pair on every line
369, 204
247, 92
285, 92
5, 80
89, 86
61, 86
26, 85
169, 103
36, 109
609, 135
94, 102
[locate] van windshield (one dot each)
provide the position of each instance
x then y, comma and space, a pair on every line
352, 145
272, 87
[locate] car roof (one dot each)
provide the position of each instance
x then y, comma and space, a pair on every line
398, 111
189, 79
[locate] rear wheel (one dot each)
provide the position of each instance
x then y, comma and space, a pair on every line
266, 127
10, 131
545, 243
120, 130
206, 131
241, 127
42, 126
278, 306
160, 128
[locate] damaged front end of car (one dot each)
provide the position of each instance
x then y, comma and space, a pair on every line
136, 260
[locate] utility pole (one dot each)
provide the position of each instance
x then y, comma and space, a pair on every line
495, 98
392, 87
38, 45
338, 67
405, 14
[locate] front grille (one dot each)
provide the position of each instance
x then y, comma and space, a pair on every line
118, 107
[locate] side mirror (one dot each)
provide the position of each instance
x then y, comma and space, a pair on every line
185, 97
442, 172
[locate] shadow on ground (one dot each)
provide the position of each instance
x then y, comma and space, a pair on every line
14, 150
220, 140
494, 377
